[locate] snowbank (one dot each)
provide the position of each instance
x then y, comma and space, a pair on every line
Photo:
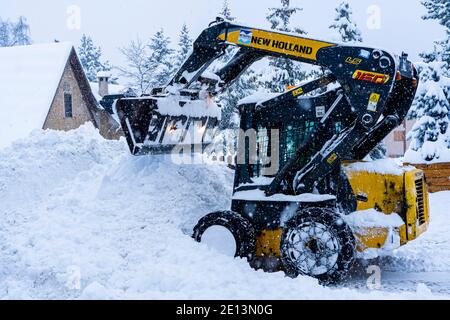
81, 218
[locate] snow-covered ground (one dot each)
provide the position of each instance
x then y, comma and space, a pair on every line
77, 207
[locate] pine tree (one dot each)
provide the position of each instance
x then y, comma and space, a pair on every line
226, 11
5, 35
90, 58
285, 72
21, 32
347, 30
439, 10
431, 108
430, 134
14, 34
441, 51
230, 51
246, 85
160, 61
184, 47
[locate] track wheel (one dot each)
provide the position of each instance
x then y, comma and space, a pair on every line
318, 243
227, 232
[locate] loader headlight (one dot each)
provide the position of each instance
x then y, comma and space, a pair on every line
377, 54
367, 119
385, 62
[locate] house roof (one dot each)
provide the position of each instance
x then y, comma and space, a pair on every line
29, 78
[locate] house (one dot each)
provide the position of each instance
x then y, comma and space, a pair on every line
44, 86
396, 142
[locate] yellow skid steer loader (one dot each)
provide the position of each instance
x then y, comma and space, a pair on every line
304, 201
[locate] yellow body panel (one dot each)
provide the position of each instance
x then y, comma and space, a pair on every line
279, 43
405, 194
268, 243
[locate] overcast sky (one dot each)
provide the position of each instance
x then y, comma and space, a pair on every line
113, 23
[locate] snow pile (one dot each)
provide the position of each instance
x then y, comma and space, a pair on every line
372, 218
29, 77
81, 218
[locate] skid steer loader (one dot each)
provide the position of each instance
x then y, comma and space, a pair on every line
299, 170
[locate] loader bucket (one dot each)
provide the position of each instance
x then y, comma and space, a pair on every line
158, 125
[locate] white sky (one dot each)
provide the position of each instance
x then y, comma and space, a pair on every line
113, 23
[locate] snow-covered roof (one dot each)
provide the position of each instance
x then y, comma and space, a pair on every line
29, 78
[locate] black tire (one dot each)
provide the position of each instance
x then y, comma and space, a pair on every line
319, 235
242, 230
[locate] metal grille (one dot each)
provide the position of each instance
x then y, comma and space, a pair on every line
420, 201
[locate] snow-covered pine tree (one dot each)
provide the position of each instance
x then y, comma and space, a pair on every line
226, 11
160, 61
430, 135
441, 51
5, 35
21, 32
90, 58
284, 72
343, 25
246, 85
439, 10
230, 51
184, 47
14, 34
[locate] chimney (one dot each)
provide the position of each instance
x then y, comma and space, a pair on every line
103, 82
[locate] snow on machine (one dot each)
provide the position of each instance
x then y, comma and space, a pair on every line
304, 201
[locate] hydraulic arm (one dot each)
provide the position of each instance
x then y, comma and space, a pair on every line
378, 87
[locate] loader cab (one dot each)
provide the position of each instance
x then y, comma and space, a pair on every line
268, 139
270, 136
